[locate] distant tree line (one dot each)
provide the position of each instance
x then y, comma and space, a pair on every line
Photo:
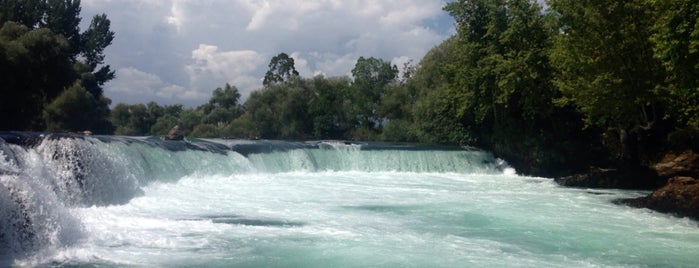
607, 83
288, 107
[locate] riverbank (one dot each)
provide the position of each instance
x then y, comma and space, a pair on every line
674, 181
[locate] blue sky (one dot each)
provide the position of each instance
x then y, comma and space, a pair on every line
179, 51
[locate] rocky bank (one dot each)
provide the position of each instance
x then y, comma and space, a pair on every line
674, 179
680, 196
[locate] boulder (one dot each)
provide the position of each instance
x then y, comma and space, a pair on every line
674, 165
680, 197
175, 134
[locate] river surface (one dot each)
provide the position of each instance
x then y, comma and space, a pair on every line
115, 202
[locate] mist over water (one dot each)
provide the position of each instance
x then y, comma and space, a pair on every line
117, 201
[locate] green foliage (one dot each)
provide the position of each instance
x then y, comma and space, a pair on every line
144, 120
222, 108
281, 69
399, 130
63, 17
329, 108
131, 120
497, 92
28, 12
606, 69
164, 124
206, 131
189, 118
605, 62
43, 54
67, 112
371, 76
93, 42
34, 71
676, 40
225, 98
433, 112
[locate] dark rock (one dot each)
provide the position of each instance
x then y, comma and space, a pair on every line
629, 178
680, 197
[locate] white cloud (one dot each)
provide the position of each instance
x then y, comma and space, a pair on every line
193, 46
132, 82
132, 86
176, 17
406, 16
213, 68
301, 65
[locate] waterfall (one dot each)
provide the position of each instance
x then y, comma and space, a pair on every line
43, 175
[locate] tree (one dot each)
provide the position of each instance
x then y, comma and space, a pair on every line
498, 85
44, 54
93, 42
219, 116
371, 76
119, 116
605, 67
63, 17
28, 12
67, 112
328, 109
226, 98
131, 120
434, 112
261, 112
281, 69
676, 45
34, 71
163, 125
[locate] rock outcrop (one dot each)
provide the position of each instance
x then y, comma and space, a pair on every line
675, 165
679, 197
175, 134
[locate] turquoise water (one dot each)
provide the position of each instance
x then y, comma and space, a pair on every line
332, 206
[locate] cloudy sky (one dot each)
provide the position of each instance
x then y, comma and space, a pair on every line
178, 51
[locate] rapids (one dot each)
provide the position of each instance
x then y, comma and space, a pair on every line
138, 201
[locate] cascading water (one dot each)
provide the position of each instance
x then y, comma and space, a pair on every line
127, 201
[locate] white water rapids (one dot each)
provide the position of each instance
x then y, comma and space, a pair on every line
119, 202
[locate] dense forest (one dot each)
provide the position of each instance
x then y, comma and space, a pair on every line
581, 83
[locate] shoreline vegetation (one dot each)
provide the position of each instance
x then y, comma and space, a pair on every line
595, 94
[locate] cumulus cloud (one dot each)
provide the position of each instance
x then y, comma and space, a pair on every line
212, 68
135, 86
193, 47
301, 65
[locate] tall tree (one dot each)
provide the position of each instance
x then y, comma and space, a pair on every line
676, 39
226, 97
63, 17
28, 12
328, 109
499, 85
371, 76
34, 71
434, 111
223, 107
281, 68
67, 112
606, 66
94, 40
44, 54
